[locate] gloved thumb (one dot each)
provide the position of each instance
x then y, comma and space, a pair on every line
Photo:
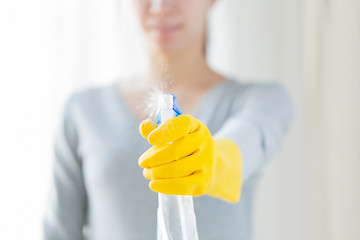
146, 127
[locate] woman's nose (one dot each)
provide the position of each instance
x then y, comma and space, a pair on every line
158, 5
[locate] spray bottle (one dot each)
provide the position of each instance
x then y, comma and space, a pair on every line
176, 216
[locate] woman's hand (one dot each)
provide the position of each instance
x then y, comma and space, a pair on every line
187, 160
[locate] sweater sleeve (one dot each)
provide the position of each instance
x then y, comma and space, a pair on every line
65, 213
261, 115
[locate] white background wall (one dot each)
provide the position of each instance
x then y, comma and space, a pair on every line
49, 48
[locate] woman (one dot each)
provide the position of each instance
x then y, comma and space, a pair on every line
228, 132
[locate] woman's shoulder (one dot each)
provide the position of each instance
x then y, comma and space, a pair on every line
89, 94
247, 88
252, 85
259, 94
87, 100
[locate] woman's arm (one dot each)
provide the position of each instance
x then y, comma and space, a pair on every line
196, 163
261, 117
66, 210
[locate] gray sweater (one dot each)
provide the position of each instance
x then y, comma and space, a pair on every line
98, 184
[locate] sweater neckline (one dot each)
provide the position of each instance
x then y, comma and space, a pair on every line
196, 112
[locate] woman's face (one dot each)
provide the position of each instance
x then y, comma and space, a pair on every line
173, 25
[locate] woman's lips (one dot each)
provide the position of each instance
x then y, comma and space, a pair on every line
165, 31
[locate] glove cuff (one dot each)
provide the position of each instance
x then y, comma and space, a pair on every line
227, 179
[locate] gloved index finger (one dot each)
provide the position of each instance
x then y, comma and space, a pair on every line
173, 129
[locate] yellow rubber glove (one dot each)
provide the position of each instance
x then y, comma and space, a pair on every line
186, 160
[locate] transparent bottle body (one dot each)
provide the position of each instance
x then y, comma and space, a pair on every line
175, 215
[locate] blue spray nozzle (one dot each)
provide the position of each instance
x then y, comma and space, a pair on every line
176, 108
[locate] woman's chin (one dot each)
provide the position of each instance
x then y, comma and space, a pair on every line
165, 45
168, 41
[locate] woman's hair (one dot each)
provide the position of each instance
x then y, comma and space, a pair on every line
206, 39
